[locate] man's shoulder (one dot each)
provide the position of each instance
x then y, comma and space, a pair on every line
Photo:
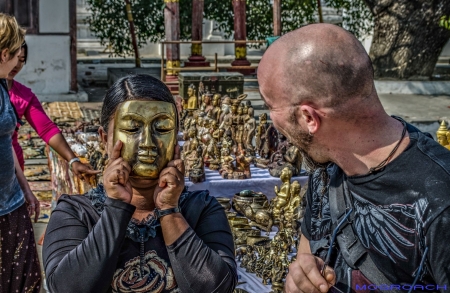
433, 151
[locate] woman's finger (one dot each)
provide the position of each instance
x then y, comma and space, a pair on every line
178, 164
37, 211
171, 170
177, 152
116, 151
169, 179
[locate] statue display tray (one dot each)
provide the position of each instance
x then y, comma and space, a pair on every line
224, 83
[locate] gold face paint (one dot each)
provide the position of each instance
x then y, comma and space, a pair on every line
149, 135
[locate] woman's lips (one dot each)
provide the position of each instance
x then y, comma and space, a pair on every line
147, 159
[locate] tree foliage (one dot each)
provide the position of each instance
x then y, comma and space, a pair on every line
109, 23
445, 22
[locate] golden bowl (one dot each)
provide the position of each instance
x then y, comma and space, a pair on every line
245, 198
224, 202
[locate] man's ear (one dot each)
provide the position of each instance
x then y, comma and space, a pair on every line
311, 118
104, 137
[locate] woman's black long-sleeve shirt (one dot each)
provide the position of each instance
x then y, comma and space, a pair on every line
93, 245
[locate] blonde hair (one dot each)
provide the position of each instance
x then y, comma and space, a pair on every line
12, 35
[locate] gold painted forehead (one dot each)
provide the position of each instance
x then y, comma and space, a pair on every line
146, 109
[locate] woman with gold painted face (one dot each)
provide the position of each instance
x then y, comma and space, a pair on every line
141, 230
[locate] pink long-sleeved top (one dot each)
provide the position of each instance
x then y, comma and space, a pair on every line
28, 105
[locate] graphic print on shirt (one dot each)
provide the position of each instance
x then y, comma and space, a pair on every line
155, 276
378, 229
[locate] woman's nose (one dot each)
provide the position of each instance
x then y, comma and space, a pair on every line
147, 139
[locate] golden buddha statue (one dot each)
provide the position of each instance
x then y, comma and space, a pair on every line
443, 135
192, 98
283, 194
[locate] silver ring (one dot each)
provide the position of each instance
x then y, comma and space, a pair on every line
32, 205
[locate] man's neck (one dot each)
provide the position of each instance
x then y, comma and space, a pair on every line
362, 147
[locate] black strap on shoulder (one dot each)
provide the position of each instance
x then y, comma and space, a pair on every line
354, 253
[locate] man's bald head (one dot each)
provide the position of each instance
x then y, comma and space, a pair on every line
321, 64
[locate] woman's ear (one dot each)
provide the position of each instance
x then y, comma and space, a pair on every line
104, 137
4, 56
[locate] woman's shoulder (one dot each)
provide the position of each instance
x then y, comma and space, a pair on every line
197, 197
199, 203
77, 206
21, 90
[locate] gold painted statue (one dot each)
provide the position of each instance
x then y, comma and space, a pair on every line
216, 109
192, 100
145, 129
443, 135
283, 194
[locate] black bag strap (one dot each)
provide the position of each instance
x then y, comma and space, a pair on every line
354, 253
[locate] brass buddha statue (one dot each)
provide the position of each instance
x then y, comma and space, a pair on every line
192, 100
443, 134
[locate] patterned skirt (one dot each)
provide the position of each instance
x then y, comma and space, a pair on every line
19, 263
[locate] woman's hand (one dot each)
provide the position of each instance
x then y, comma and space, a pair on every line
115, 176
32, 205
83, 171
170, 183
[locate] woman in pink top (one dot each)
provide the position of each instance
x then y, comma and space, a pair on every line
27, 104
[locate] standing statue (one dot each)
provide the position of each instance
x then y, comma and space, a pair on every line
227, 119
249, 129
283, 195
266, 141
216, 108
443, 135
226, 108
206, 106
192, 100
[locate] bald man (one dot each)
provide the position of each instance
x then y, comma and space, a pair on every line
318, 84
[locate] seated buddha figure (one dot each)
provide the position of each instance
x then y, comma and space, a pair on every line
192, 98
283, 194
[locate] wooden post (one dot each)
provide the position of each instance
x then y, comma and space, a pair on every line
277, 17
240, 34
73, 45
196, 59
133, 34
319, 11
172, 31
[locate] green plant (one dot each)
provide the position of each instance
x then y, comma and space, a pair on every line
109, 23
445, 21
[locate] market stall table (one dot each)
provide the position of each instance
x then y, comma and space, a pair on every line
261, 181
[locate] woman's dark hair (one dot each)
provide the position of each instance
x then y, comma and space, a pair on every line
134, 87
25, 48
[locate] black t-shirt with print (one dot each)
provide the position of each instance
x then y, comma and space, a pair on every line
395, 209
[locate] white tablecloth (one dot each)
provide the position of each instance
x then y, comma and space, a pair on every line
261, 181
